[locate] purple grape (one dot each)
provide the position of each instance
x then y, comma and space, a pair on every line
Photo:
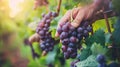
48, 21
73, 55
65, 28
79, 36
69, 50
42, 32
50, 13
64, 48
66, 55
54, 14
86, 23
47, 16
43, 14
80, 30
59, 30
47, 44
63, 35
45, 29
42, 46
74, 33
73, 39
100, 58
86, 34
71, 45
65, 41
47, 25
89, 28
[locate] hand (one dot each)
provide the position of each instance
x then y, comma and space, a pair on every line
78, 14
81, 14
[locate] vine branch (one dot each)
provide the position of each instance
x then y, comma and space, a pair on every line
58, 7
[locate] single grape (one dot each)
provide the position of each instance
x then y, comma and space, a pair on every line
89, 28
69, 50
65, 41
86, 23
74, 33
86, 34
50, 13
54, 14
73, 55
43, 14
45, 29
65, 28
64, 48
47, 16
73, 39
100, 58
80, 30
42, 46
63, 35
66, 55
47, 25
71, 45
42, 32
79, 36
59, 30
47, 44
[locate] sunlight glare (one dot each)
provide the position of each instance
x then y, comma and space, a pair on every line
15, 7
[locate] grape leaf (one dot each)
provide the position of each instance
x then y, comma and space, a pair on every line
89, 62
98, 37
97, 49
85, 53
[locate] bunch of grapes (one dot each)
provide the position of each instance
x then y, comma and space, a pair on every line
47, 42
71, 37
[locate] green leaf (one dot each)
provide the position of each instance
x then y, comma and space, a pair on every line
89, 62
98, 37
37, 48
97, 49
84, 53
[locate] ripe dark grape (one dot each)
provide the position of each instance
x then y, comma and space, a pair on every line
54, 14
70, 50
65, 28
42, 32
100, 58
66, 55
89, 28
73, 55
71, 45
42, 46
71, 37
74, 33
64, 48
59, 30
47, 42
63, 35
80, 30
